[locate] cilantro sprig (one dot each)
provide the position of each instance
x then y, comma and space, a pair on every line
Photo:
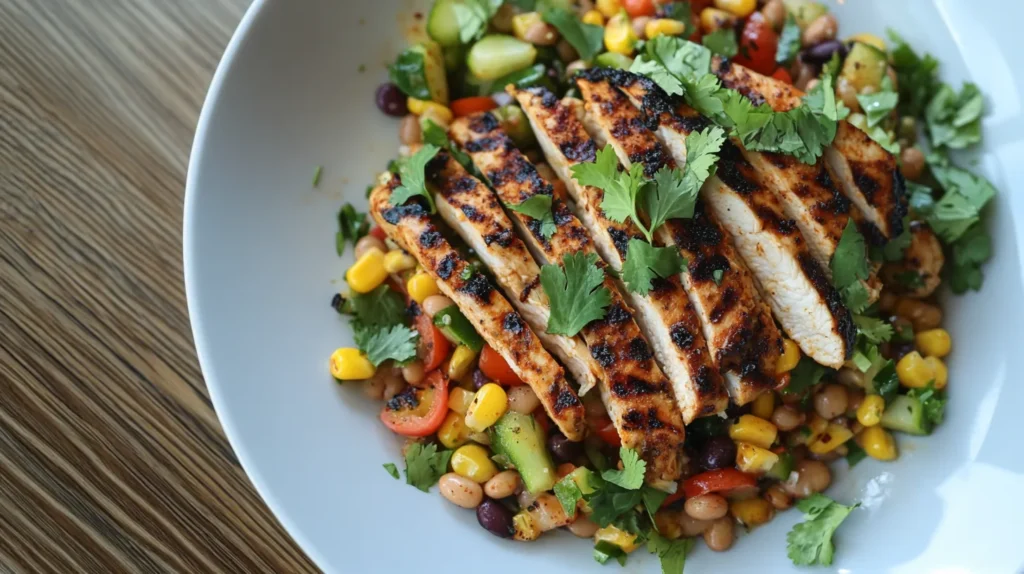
644, 262
576, 292
396, 343
850, 268
810, 542
412, 170
586, 39
539, 208
352, 226
472, 16
424, 465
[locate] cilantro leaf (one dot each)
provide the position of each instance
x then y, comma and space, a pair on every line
717, 275
392, 469
849, 267
969, 252
960, 206
854, 453
722, 42
874, 330
916, 76
879, 105
408, 72
932, 401
568, 494
609, 502
381, 307
810, 542
424, 465
894, 249
576, 293
644, 262
352, 225
620, 187
886, 383
652, 498
789, 42
586, 39
605, 551
674, 192
921, 200
671, 553
631, 477
412, 171
397, 343
437, 135
954, 120
472, 17
805, 375
317, 172
832, 66
539, 208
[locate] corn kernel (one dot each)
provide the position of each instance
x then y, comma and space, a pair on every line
609, 8
764, 405
712, 19
616, 536
827, 441
869, 413
754, 430
462, 361
752, 511
754, 459
913, 372
594, 17
817, 426
934, 342
870, 40
619, 36
459, 400
473, 462
940, 375
397, 261
368, 272
664, 27
487, 407
878, 443
790, 357
420, 286
349, 364
739, 8
453, 432
525, 526
420, 107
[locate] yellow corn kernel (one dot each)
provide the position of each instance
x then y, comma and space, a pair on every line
934, 342
878, 443
712, 19
453, 432
664, 27
420, 107
609, 8
459, 400
368, 272
790, 357
817, 426
754, 459
739, 8
420, 286
870, 40
754, 430
614, 535
594, 17
487, 407
525, 526
752, 511
827, 441
940, 375
473, 462
349, 364
461, 362
397, 261
619, 36
764, 405
913, 372
869, 413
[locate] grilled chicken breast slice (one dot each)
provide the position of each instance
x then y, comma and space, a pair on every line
468, 207
865, 171
636, 393
490, 313
738, 326
666, 315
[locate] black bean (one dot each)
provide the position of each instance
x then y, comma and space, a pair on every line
391, 100
821, 53
495, 518
479, 379
563, 449
718, 452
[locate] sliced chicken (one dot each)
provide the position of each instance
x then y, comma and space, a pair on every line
502, 327
667, 316
865, 171
636, 393
737, 324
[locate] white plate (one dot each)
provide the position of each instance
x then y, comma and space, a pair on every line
260, 270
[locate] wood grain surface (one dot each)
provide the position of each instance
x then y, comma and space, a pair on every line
111, 456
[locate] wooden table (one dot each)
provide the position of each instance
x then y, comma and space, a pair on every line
111, 456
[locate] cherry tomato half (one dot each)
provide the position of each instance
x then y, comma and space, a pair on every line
758, 45
494, 366
723, 481
434, 346
466, 106
378, 232
637, 8
783, 76
605, 429
418, 412
674, 497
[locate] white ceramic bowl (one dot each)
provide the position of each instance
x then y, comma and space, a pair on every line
260, 270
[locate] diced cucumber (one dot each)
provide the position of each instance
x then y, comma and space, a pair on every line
497, 55
782, 468
519, 438
457, 328
613, 60
805, 11
516, 125
442, 23
865, 66
584, 479
905, 414
535, 75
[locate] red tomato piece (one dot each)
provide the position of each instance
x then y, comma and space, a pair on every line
637, 8
723, 480
674, 497
418, 412
606, 431
783, 76
758, 45
434, 346
468, 106
378, 232
542, 419
494, 366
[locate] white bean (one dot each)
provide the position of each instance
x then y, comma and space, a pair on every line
460, 490
502, 485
